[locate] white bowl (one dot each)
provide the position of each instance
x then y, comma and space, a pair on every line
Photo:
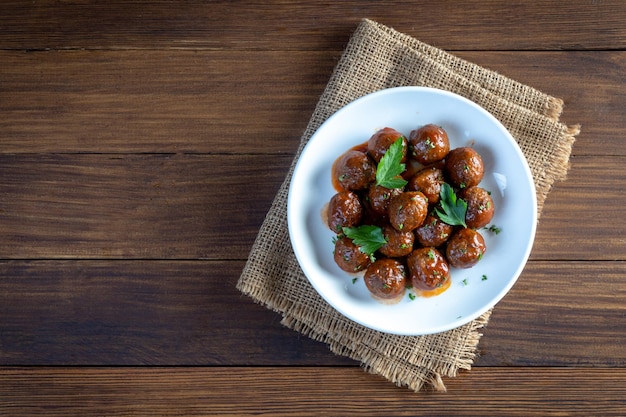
507, 175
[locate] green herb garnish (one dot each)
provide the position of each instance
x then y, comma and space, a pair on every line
390, 167
411, 296
454, 208
368, 238
429, 144
493, 229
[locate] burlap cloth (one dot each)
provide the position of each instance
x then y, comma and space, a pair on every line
379, 57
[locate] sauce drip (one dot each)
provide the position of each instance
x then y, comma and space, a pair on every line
435, 291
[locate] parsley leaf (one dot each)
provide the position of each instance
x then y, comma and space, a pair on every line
454, 208
390, 167
368, 238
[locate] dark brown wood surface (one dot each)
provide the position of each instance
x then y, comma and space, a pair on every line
142, 143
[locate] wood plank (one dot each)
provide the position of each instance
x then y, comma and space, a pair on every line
135, 206
560, 314
141, 313
184, 206
246, 101
246, 25
141, 144
189, 313
306, 391
582, 218
158, 101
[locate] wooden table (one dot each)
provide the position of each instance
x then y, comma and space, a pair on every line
142, 143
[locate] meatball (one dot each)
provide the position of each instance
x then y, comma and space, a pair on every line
465, 248
433, 232
344, 210
464, 167
353, 170
380, 141
408, 210
428, 181
379, 197
349, 257
386, 279
398, 243
480, 207
428, 269
429, 144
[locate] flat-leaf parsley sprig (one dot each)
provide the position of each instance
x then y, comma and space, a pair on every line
368, 238
454, 209
390, 167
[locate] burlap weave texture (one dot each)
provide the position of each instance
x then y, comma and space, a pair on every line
379, 57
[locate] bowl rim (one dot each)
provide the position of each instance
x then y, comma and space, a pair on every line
527, 175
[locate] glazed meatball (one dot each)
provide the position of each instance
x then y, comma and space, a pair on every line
428, 269
480, 207
354, 170
344, 210
349, 257
429, 144
433, 232
408, 210
379, 197
386, 279
380, 141
428, 181
464, 167
398, 243
465, 248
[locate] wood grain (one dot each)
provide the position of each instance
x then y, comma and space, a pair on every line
181, 206
135, 206
539, 324
158, 101
129, 312
572, 226
333, 391
141, 313
304, 25
246, 101
142, 143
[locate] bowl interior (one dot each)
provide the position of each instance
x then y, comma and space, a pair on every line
507, 175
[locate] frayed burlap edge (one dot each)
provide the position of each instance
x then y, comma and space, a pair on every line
379, 57
392, 368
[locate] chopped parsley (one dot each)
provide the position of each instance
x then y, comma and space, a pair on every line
493, 229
